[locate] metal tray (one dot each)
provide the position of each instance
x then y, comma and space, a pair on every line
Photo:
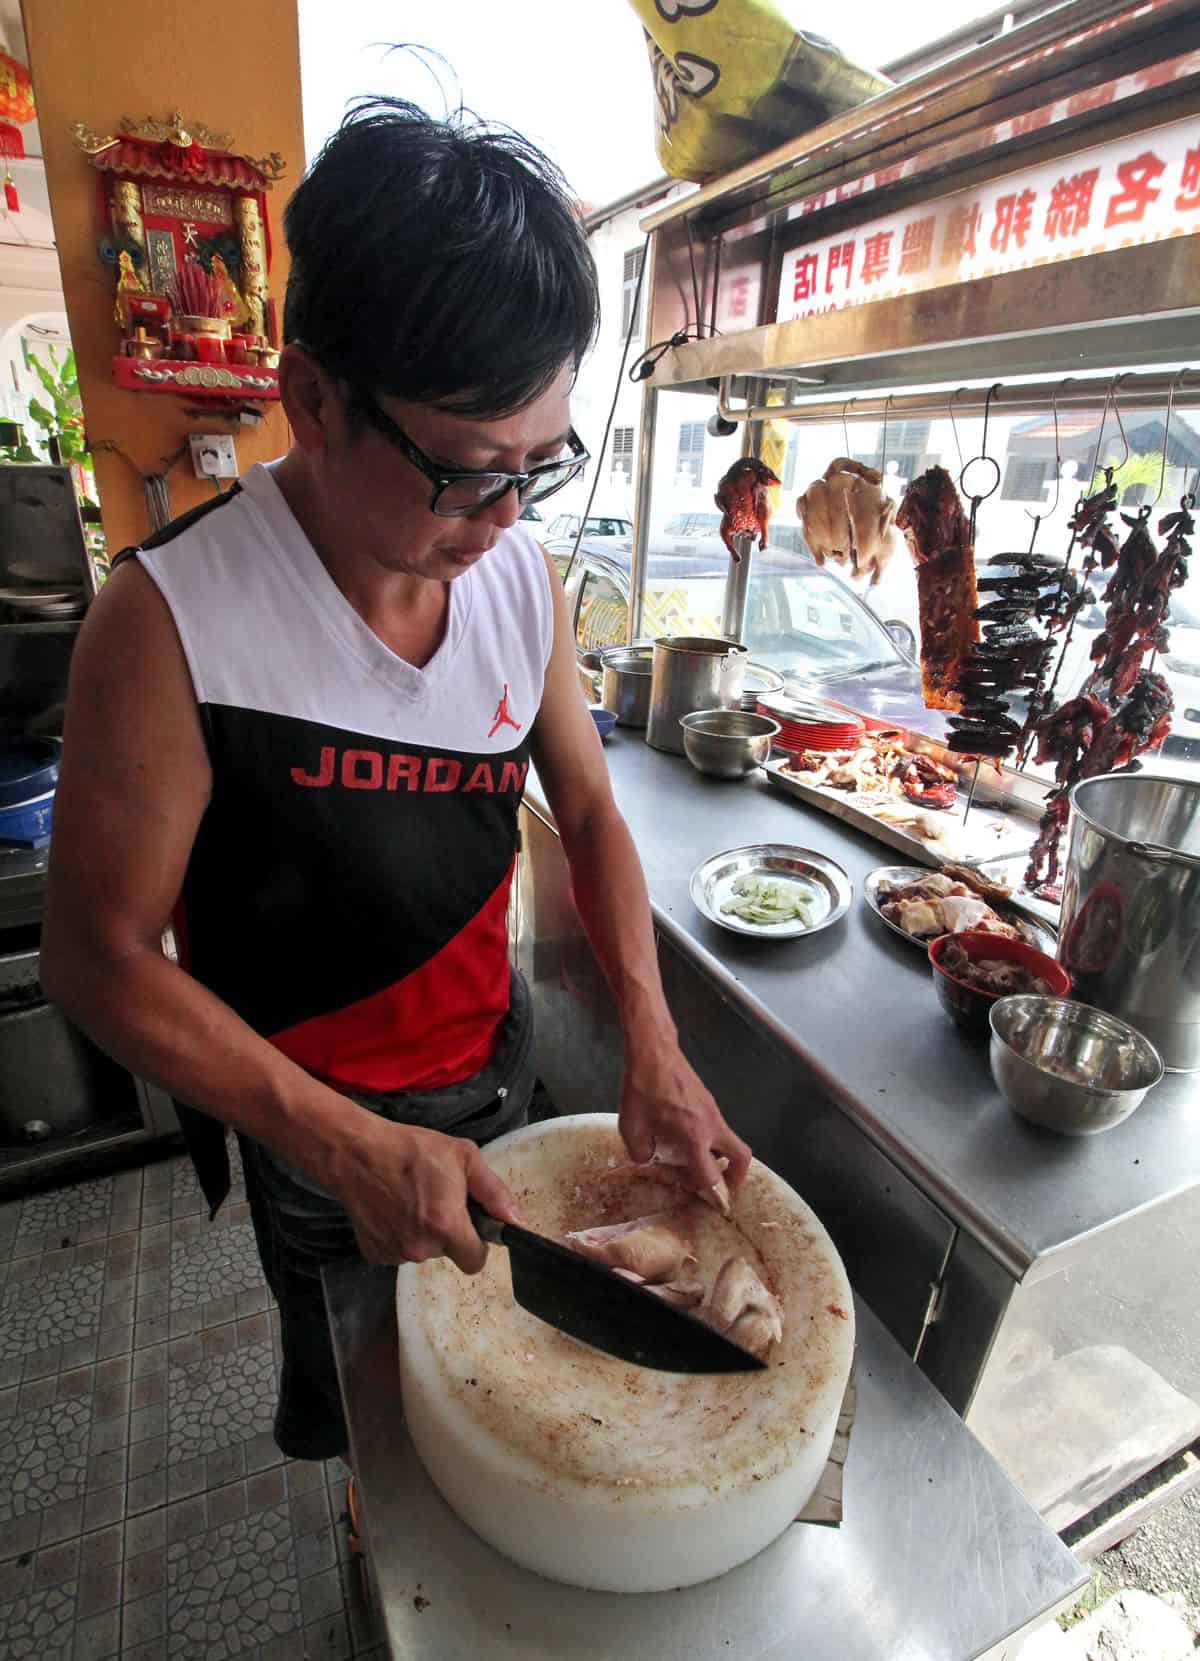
988, 835
1039, 935
712, 884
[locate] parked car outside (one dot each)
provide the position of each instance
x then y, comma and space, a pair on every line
693, 524
801, 619
808, 623
598, 524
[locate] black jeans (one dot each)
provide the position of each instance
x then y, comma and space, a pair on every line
300, 1226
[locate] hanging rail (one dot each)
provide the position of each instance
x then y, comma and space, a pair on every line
1148, 391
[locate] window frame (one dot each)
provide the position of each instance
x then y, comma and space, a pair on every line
690, 458
631, 300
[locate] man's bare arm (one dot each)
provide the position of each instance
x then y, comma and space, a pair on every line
134, 785
663, 1100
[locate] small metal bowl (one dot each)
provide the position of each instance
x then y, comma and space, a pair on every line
1068, 1067
727, 743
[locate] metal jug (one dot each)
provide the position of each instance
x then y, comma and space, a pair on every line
690, 673
1129, 934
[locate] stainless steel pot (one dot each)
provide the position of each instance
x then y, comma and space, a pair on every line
49, 1074
691, 673
625, 684
1130, 928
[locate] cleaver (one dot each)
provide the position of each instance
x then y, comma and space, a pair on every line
590, 1302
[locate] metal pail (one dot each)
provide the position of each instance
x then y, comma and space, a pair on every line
690, 673
1130, 928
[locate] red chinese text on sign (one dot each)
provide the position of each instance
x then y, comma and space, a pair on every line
1138, 179
962, 228
1188, 199
877, 253
1014, 219
916, 251
805, 287
1070, 209
841, 258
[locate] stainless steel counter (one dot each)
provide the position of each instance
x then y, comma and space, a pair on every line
939, 1558
855, 1006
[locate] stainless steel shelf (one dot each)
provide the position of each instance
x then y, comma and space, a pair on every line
1127, 306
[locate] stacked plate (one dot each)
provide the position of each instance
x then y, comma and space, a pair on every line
758, 679
45, 605
810, 723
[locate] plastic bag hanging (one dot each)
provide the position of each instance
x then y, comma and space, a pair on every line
733, 79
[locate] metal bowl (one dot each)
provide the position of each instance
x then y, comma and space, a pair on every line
727, 743
713, 883
1068, 1067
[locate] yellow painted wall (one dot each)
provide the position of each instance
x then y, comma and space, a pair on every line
97, 63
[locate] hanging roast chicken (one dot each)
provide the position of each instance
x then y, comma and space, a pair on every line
745, 505
847, 517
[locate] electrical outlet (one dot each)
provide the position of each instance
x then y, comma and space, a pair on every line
213, 455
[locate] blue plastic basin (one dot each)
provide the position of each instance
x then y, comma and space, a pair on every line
28, 769
28, 823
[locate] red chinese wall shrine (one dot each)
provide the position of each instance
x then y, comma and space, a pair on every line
97, 64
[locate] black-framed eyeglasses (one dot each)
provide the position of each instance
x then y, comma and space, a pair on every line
464, 490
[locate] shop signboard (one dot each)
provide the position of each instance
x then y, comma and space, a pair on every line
1138, 189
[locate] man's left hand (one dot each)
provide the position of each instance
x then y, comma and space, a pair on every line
664, 1106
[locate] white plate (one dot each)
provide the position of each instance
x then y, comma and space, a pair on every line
1038, 934
712, 885
39, 596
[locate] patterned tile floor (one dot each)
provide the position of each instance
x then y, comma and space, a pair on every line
145, 1510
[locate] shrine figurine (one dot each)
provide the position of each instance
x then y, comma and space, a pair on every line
128, 282
234, 308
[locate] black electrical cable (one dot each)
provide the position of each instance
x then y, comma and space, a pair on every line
612, 408
641, 369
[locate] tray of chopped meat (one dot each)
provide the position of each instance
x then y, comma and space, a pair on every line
902, 798
921, 905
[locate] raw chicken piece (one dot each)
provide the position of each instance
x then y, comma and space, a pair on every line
932, 887
684, 1294
963, 912
669, 1162
744, 503
756, 1330
740, 1306
918, 917
647, 1247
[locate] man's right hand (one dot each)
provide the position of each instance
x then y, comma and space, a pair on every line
405, 1190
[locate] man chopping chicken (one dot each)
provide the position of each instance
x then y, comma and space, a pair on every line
299, 727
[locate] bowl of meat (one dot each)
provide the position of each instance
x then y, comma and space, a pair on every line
973, 970
1068, 1067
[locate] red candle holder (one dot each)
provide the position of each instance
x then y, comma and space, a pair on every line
210, 348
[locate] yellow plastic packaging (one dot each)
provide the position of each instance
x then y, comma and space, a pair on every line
733, 79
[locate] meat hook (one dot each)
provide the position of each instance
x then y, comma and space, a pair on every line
887, 404
982, 496
1090, 479
1162, 472
1117, 379
1053, 509
954, 427
845, 428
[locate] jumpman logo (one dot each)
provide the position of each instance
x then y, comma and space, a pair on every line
502, 718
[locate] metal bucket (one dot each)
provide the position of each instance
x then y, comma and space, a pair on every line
691, 673
626, 684
1130, 928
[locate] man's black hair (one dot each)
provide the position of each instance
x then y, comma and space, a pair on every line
442, 262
